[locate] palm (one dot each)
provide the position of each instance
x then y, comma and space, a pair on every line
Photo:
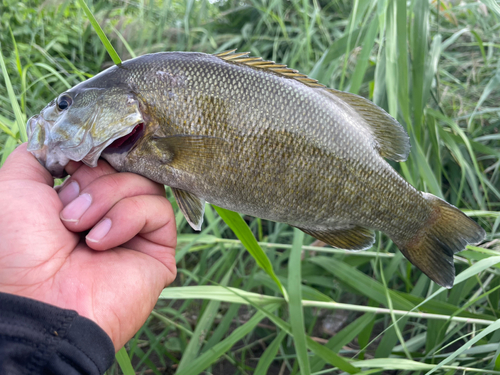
45, 258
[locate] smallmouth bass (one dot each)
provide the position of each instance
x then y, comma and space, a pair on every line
255, 137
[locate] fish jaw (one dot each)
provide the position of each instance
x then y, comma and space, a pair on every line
46, 143
51, 157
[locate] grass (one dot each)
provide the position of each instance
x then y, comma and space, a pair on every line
290, 309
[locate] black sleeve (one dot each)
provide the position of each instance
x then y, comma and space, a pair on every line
37, 338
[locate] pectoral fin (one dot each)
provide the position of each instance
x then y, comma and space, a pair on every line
189, 152
355, 238
191, 206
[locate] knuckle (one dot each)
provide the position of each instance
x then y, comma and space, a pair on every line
138, 204
112, 183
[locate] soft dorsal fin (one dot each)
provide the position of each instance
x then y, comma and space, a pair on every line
391, 138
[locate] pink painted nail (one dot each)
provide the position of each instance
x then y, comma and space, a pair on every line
99, 231
69, 192
75, 210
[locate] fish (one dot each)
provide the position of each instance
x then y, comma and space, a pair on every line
259, 138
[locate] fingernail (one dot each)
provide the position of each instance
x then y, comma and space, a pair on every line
75, 210
69, 192
99, 231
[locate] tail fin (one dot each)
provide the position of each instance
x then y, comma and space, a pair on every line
447, 232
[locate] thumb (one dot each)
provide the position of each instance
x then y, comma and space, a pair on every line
22, 165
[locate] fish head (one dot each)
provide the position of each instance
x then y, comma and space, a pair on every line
81, 123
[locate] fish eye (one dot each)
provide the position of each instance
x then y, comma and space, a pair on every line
64, 102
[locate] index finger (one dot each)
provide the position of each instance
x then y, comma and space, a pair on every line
105, 181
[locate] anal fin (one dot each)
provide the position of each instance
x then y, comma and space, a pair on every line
191, 206
354, 238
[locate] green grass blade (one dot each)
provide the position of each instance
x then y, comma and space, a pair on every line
323, 352
475, 269
492, 85
181, 252
480, 44
439, 310
495, 326
9, 146
426, 173
402, 40
125, 43
342, 338
431, 69
212, 355
359, 281
222, 327
393, 317
202, 327
418, 43
6, 125
295, 302
493, 5
391, 364
364, 57
269, 354
104, 39
472, 156
468, 273
349, 36
219, 293
330, 357
16, 53
391, 54
20, 118
55, 73
337, 49
124, 362
245, 235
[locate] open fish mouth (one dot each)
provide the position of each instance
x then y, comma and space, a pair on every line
54, 156
127, 142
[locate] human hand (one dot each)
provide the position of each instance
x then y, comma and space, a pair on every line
114, 280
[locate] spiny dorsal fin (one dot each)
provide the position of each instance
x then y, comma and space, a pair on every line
224, 53
392, 140
259, 63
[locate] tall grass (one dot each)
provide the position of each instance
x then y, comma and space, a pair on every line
294, 307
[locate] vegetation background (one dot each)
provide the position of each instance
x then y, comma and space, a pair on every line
283, 308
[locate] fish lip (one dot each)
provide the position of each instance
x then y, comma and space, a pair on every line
52, 159
34, 124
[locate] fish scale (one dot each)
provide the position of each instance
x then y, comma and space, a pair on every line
258, 138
